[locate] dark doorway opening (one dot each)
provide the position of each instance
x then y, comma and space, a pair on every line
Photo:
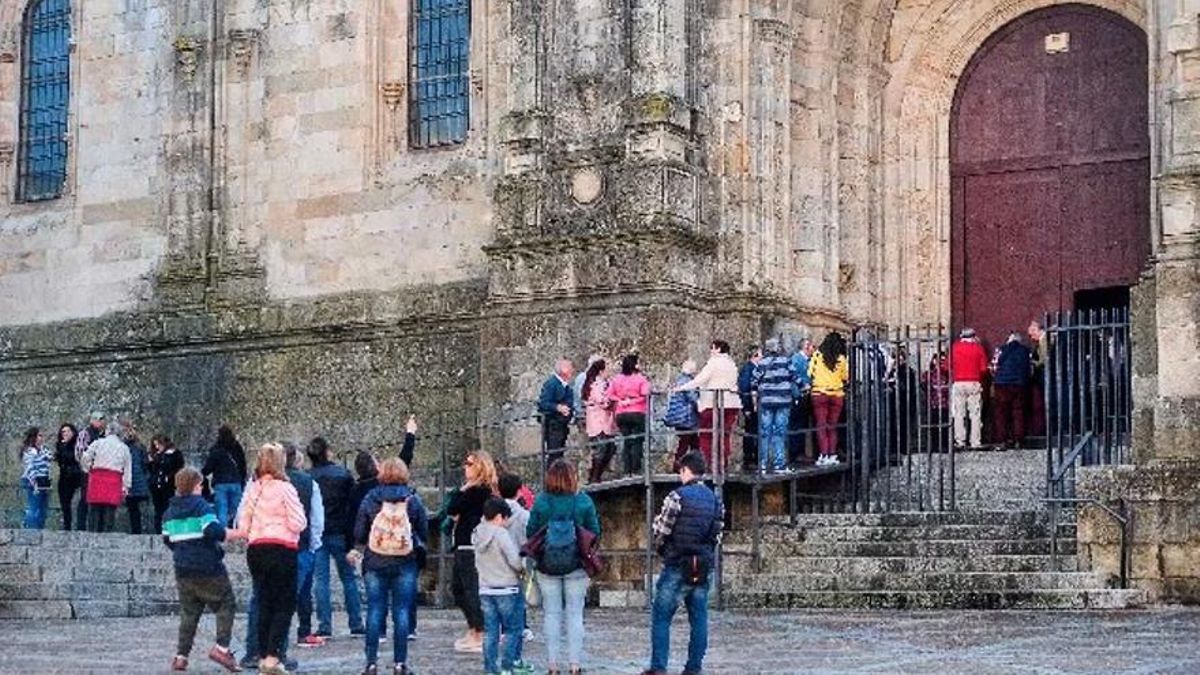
1109, 297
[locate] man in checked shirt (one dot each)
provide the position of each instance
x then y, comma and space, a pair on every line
686, 532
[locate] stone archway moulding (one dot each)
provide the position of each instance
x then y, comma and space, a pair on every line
917, 103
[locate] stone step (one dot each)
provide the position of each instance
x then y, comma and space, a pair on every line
950, 581
735, 565
918, 533
907, 600
924, 548
913, 518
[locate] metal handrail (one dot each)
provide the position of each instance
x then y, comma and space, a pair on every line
1121, 515
1068, 461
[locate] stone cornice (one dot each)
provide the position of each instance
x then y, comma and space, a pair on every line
156, 334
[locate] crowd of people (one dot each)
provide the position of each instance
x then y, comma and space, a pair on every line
789, 408
300, 512
773, 393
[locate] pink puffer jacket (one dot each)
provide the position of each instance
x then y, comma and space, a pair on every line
271, 513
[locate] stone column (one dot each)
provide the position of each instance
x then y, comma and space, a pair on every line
1162, 491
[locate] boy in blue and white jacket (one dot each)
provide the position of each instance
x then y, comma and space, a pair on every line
194, 535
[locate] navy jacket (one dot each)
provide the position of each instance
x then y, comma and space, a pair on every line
192, 532
371, 505
697, 525
1014, 367
554, 392
336, 483
304, 490
745, 384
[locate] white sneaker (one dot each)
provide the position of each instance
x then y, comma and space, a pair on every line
834, 461
528, 635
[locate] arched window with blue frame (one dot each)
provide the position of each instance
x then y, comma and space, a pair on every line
45, 96
439, 72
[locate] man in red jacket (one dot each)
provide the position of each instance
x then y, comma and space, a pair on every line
968, 364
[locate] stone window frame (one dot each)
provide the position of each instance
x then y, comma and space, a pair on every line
44, 178
12, 58
420, 135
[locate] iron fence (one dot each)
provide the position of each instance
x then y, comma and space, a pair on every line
1086, 394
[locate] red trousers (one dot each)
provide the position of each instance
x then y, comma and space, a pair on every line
1008, 403
827, 412
708, 430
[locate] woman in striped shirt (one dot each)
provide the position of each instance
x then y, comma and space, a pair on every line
35, 479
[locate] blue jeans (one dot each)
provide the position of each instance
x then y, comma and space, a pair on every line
304, 563
304, 599
35, 507
772, 436
334, 546
670, 590
226, 499
394, 587
569, 591
507, 613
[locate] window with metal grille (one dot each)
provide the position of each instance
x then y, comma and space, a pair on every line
45, 93
439, 60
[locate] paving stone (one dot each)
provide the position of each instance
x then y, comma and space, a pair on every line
751, 643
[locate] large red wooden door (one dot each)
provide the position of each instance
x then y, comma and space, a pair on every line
1050, 167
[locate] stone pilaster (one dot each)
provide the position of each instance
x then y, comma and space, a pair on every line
1161, 493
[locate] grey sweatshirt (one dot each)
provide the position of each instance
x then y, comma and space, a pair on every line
496, 559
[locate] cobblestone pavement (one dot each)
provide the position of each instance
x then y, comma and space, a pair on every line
978, 643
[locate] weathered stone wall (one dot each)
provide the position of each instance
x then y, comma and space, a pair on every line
1163, 537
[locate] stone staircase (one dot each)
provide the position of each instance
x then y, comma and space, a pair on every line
930, 560
76, 575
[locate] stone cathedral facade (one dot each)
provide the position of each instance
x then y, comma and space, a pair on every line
302, 216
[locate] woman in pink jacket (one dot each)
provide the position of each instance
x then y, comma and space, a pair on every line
629, 393
272, 518
598, 419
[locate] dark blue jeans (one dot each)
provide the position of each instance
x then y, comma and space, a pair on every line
507, 613
333, 547
394, 587
772, 437
671, 589
35, 507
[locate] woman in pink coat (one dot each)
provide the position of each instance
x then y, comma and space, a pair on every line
599, 423
272, 518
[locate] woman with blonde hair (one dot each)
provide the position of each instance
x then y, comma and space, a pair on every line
272, 517
467, 510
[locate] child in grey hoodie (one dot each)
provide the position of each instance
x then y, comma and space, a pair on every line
499, 565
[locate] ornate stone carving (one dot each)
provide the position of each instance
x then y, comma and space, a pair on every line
186, 56
393, 93
241, 48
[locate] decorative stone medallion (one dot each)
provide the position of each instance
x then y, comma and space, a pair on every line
587, 185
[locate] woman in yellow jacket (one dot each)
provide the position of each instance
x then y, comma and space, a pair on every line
830, 370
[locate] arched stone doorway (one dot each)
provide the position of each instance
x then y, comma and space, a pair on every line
1049, 168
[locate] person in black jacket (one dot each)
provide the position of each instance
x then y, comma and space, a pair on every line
226, 470
70, 474
164, 462
467, 510
336, 483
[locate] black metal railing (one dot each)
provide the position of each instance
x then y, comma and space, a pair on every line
1086, 393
